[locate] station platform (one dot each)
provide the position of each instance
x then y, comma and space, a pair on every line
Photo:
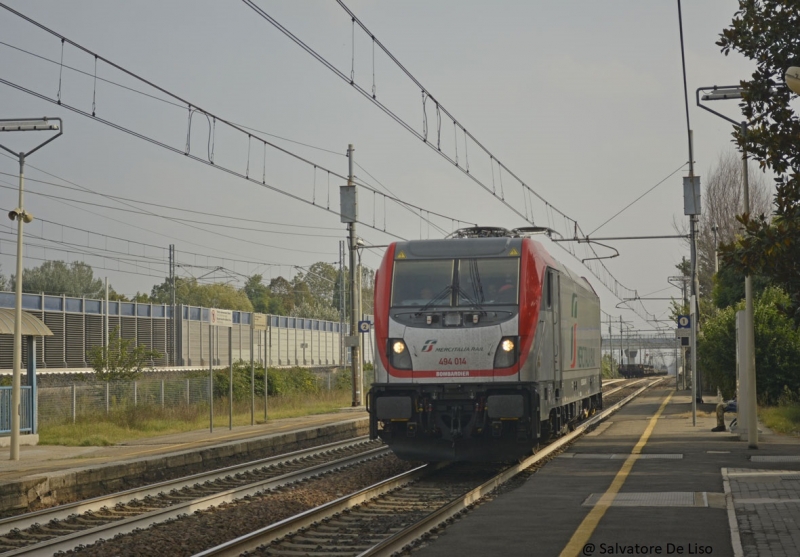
50, 474
645, 482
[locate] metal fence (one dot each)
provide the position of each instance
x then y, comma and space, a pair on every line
68, 403
5, 410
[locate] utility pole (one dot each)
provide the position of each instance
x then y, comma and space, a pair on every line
691, 208
172, 299
349, 215
752, 418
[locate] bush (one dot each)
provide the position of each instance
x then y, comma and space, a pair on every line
344, 378
280, 382
777, 348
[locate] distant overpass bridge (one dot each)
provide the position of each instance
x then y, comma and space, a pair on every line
640, 342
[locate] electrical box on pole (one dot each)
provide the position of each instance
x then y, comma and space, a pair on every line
348, 203
691, 195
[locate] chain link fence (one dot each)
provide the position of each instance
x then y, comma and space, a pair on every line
68, 403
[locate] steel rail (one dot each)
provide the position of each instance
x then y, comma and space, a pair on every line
144, 520
403, 538
396, 542
280, 529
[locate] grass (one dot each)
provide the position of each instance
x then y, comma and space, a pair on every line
143, 422
781, 419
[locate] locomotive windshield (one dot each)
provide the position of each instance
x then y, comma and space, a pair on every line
478, 281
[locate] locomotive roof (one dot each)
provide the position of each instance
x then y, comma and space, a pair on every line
457, 247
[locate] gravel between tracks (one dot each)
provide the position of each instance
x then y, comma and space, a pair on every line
208, 528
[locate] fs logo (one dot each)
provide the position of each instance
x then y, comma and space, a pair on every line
428, 346
574, 332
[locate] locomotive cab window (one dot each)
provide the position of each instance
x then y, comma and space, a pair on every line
549, 288
488, 281
421, 282
478, 281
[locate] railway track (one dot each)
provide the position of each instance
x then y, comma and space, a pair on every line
385, 518
80, 524
66, 526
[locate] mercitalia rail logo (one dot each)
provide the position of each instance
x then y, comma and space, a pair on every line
428, 346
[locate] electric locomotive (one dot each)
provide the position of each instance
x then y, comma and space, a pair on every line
487, 345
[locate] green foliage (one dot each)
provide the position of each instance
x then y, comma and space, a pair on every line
608, 366
190, 292
121, 360
258, 293
280, 381
729, 286
344, 377
777, 348
765, 31
56, 277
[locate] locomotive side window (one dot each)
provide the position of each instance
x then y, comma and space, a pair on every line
549, 288
421, 282
488, 281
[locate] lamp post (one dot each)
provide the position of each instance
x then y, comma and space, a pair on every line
723, 93
19, 214
714, 229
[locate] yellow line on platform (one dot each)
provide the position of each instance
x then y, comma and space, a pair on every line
584, 532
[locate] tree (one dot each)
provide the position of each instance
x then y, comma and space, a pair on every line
281, 293
777, 347
218, 295
766, 32
162, 293
258, 293
190, 292
141, 298
120, 360
322, 279
729, 286
56, 277
722, 202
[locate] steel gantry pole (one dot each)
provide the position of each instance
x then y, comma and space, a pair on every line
349, 215
21, 216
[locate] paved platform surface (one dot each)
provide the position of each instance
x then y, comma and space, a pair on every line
637, 485
44, 459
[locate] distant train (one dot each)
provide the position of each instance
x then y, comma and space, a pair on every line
485, 346
630, 371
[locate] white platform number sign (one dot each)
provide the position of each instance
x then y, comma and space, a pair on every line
684, 322
364, 326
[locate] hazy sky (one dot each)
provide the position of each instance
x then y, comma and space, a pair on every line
581, 100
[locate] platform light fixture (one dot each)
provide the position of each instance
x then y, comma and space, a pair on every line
792, 79
19, 214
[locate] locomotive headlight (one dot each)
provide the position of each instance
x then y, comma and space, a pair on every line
506, 354
399, 356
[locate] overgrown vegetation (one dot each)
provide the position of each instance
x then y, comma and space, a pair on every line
292, 392
151, 420
121, 360
777, 348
